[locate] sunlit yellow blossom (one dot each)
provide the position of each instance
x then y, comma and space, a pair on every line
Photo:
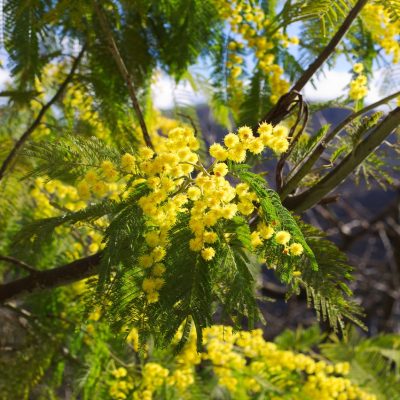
265, 128
230, 140
282, 237
245, 133
358, 68
218, 152
158, 269
220, 169
128, 162
146, 153
208, 253
296, 249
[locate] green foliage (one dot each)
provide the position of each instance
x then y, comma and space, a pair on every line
327, 288
27, 40
69, 158
275, 213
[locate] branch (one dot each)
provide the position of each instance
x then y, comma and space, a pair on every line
123, 70
310, 197
20, 142
26, 267
307, 163
281, 109
69, 273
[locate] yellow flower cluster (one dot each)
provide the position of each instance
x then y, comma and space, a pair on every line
102, 182
54, 197
207, 197
214, 198
79, 105
153, 376
245, 359
246, 366
165, 173
251, 23
122, 384
358, 86
383, 30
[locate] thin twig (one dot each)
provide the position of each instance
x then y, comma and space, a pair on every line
20, 142
302, 114
123, 70
310, 197
280, 110
19, 263
307, 163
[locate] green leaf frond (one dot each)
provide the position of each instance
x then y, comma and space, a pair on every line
327, 288
274, 213
68, 159
327, 11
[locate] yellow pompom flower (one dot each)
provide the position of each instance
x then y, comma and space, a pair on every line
193, 193
100, 189
256, 239
256, 146
119, 372
195, 244
245, 133
146, 153
230, 140
358, 68
146, 261
128, 163
158, 253
280, 131
158, 269
265, 231
236, 71
296, 249
149, 285
208, 253
91, 177
83, 190
279, 145
282, 237
265, 128
210, 237
220, 169
237, 153
218, 152
153, 297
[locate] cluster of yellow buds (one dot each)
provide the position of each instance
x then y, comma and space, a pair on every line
101, 182
80, 105
275, 138
265, 232
245, 365
53, 197
122, 384
214, 198
207, 197
165, 173
383, 29
245, 359
252, 24
153, 376
358, 86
